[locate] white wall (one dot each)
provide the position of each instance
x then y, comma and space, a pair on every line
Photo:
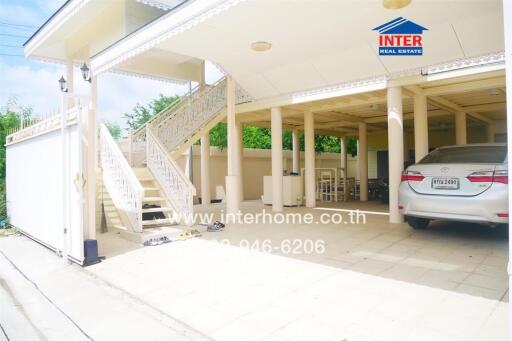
257, 163
34, 189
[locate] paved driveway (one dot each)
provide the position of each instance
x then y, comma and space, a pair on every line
374, 280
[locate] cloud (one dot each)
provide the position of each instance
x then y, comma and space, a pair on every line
38, 87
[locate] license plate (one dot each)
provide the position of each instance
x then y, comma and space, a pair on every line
445, 183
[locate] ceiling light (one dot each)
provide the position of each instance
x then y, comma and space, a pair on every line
395, 4
261, 46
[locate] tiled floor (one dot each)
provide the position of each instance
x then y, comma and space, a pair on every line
375, 281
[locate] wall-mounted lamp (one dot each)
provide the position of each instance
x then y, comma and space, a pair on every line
86, 73
63, 84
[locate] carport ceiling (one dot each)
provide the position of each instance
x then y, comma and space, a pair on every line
482, 97
341, 47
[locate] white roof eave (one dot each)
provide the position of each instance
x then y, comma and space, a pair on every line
162, 29
62, 16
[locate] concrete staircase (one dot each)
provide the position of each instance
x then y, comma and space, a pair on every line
151, 228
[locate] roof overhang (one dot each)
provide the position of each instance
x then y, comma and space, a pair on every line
314, 44
80, 29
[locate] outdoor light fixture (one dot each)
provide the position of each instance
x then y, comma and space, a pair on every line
261, 46
63, 84
395, 4
86, 73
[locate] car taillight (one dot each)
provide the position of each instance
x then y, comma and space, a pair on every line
502, 215
500, 176
412, 176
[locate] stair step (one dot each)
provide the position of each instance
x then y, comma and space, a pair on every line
155, 222
145, 178
151, 189
153, 199
157, 209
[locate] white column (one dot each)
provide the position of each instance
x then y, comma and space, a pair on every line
92, 142
490, 131
232, 184
343, 157
295, 151
309, 156
363, 162
507, 20
240, 159
277, 159
205, 169
395, 150
460, 128
70, 82
420, 127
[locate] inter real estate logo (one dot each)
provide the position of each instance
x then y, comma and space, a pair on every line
400, 37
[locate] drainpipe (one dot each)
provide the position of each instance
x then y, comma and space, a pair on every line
64, 178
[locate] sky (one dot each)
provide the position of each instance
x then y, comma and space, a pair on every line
35, 83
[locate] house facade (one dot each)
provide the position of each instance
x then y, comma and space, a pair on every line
400, 81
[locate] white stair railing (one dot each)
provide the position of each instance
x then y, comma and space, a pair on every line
178, 122
181, 124
120, 180
176, 186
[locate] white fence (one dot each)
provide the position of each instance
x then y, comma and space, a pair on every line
44, 187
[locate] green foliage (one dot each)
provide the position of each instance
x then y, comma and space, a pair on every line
257, 138
352, 146
219, 136
261, 138
141, 114
114, 129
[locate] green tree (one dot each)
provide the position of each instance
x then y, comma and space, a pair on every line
114, 129
140, 114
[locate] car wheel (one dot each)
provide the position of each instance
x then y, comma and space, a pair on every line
417, 223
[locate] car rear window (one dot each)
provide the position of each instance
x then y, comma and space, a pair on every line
470, 154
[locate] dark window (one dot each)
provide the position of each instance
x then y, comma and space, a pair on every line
470, 154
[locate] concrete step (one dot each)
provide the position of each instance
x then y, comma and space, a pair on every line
153, 199
157, 209
154, 222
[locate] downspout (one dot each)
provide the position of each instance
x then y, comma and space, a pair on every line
64, 251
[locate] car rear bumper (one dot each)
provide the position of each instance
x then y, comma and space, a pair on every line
483, 208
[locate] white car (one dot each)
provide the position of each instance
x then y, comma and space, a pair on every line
463, 183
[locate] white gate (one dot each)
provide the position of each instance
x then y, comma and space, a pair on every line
44, 183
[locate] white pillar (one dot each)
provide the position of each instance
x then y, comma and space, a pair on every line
363, 162
295, 151
460, 128
92, 142
343, 157
490, 131
309, 156
70, 82
277, 159
420, 127
507, 20
205, 169
395, 150
232, 184
240, 159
